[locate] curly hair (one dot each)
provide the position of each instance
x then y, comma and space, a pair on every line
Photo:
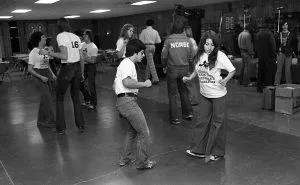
212, 57
124, 29
35, 38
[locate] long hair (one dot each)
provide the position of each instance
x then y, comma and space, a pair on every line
212, 57
63, 25
124, 31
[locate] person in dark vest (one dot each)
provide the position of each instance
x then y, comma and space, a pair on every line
266, 52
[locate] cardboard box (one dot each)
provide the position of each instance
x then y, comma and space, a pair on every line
268, 100
287, 98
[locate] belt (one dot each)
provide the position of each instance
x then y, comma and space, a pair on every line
149, 44
68, 64
126, 95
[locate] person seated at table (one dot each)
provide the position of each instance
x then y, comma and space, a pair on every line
39, 67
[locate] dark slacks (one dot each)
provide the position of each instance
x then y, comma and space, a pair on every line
175, 84
210, 132
69, 74
89, 92
137, 131
266, 72
46, 90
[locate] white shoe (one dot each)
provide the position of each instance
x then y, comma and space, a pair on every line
190, 152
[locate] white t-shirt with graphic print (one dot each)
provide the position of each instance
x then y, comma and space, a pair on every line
38, 61
72, 43
124, 70
90, 50
209, 79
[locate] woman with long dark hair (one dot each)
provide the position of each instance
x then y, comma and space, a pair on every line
210, 132
39, 67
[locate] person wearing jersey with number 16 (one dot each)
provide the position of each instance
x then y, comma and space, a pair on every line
71, 73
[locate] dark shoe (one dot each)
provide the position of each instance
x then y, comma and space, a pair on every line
188, 117
147, 165
194, 154
175, 122
81, 129
46, 125
61, 132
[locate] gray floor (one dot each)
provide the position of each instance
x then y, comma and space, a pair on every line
263, 147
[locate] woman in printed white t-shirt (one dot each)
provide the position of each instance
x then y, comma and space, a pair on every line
39, 67
125, 35
210, 132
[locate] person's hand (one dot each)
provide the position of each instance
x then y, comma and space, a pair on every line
185, 79
44, 79
148, 83
43, 52
223, 82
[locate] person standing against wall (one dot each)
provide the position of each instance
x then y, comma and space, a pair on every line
287, 45
89, 51
126, 88
176, 57
150, 37
71, 73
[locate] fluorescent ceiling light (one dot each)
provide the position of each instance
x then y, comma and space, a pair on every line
46, 1
5, 17
21, 11
13, 27
143, 2
71, 16
99, 11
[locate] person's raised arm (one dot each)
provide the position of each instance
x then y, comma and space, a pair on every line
133, 84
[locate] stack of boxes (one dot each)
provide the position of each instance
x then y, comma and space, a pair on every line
284, 98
